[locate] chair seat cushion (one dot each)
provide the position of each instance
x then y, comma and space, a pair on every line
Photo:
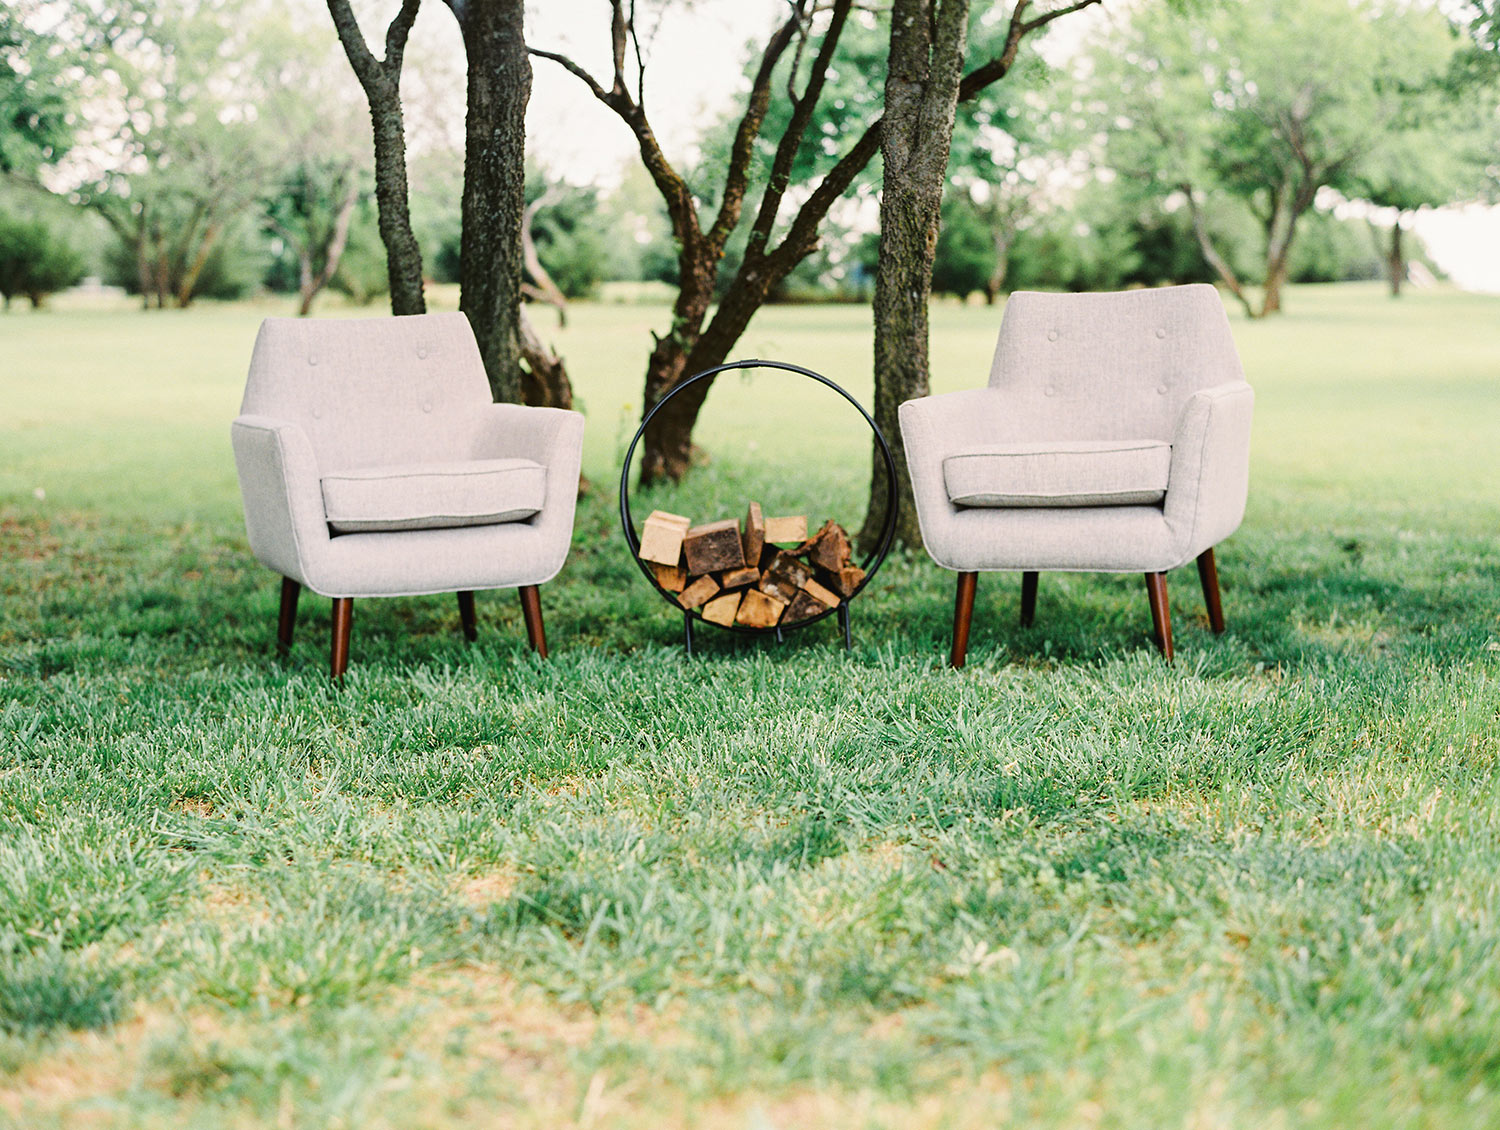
1060, 473
433, 496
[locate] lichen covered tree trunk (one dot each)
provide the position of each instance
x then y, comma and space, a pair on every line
381, 81
921, 97
494, 200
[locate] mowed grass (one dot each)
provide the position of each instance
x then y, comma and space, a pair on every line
772, 886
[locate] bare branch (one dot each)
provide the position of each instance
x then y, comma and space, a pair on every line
791, 141
619, 27
742, 151
573, 68
1047, 17
396, 34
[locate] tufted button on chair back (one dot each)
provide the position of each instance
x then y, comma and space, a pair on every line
1112, 366
371, 392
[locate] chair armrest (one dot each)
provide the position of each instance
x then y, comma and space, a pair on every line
1209, 477
282, 493
552, 437
932, 428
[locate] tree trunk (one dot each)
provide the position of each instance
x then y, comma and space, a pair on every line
381, 81
1211, 254
189, 283
403, 256
499, 86
542, 288
1396, 260
544, 379
310, 285
921, 96
992, 286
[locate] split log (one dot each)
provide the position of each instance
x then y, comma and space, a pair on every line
820, 594
804, 606
757, 610
698, 592
722, 609
773, 585
784, 530
673, 578
847, 579
828, 548
754, 537
785, 567
661, 537
713, 546
739, 578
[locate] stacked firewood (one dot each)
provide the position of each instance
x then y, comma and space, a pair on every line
769, 572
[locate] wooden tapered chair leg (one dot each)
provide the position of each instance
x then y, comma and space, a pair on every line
1208, 573
1028, 598
963, 613
466, 616
531, 609
286, 623
343, 619
1161, 615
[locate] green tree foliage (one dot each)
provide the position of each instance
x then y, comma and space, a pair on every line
35, 107
569, 239
35, 260
1264, 103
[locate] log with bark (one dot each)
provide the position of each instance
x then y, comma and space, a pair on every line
735, 574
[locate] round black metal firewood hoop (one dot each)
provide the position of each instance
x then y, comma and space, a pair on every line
872, 562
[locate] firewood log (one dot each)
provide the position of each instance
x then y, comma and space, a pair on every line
784, 530
804, 605
722, 609
847, 579
754, 537
828, 549
673, 578
698, 592
757, 610
713, 546
661, 537
820, 594
785, 567
739, 578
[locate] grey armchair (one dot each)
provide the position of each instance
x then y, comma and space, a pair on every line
1114, 437
372, 462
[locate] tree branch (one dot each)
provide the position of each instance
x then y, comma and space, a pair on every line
1047, 17
573, 68
791, 140
736, 179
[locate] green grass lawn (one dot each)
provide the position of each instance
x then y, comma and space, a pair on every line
773, 886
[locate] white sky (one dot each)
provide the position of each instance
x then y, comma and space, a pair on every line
695, 68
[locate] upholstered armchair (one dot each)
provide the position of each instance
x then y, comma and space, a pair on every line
1114, 437
372, 462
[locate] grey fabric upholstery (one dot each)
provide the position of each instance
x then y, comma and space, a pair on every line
433, 496
1153, 367
327, 401
1059, 473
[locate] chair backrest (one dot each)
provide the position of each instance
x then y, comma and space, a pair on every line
1118, 365
371, 391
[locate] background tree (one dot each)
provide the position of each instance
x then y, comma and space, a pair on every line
175, 155
490, 263
1266, 103
924, 84
35, 101
311, 211
381, 81
35, 260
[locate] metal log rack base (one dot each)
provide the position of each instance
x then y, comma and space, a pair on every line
872, 562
